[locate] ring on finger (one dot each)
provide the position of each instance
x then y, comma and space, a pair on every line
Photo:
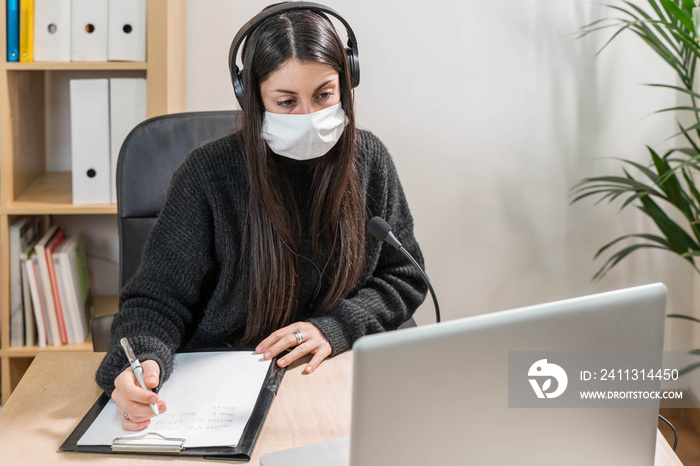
299, 336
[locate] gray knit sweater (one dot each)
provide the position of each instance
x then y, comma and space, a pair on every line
189, 292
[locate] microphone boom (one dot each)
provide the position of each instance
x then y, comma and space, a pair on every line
381, 230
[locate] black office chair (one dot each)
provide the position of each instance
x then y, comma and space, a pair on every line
147, 161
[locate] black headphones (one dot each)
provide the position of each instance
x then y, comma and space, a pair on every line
351, 50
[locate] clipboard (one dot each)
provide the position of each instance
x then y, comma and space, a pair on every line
157, 444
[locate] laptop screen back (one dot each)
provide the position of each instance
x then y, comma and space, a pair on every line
438, 394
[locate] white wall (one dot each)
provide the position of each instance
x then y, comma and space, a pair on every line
492, 112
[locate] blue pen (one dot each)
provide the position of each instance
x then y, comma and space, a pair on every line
136, 367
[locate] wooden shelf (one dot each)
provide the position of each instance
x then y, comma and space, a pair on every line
52, 193
75, 65
31, 351
27, 187
104, 305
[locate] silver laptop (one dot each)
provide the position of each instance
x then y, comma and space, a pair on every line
439, 394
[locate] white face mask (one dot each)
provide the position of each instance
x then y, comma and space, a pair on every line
304, 137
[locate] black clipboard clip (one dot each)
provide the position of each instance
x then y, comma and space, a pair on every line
146, 443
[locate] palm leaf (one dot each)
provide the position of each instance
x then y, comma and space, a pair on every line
618, 256
686, 317
631, 199
648, 172
640, 25
628, 182
691, 186
663, 15
685, 129
678, 239
675, 88
660, 26
669, 184
688, 368
607, 193
675, 12
658, 239
690, 139
667, 28
679, 109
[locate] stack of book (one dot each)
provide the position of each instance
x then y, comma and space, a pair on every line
76, 30
50, 294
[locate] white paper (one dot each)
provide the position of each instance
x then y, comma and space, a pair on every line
210, 397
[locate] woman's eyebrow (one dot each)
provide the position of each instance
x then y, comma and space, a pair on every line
285, 91
324, 84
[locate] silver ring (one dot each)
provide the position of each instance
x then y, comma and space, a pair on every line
299, 336
126, 416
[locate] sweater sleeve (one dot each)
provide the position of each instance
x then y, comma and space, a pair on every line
156, 305
392, 288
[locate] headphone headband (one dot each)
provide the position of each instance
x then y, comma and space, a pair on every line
249, 27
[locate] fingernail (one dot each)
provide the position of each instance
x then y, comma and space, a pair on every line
282, 362
162, 408
152, 380
147, 422
153, 400
267, 355
309, 369
258, 350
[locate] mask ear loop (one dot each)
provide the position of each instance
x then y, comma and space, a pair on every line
330, 254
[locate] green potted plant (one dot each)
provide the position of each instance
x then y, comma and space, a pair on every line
665, 190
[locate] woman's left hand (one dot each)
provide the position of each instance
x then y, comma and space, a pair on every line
312, 341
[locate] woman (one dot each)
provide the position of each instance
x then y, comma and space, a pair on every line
262, 241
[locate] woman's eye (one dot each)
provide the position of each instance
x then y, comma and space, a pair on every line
325, 95
285, 103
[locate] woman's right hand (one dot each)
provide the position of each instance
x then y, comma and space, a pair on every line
134, 400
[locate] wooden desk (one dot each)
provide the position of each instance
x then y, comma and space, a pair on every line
59, 388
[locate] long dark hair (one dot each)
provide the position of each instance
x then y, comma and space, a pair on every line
273, 218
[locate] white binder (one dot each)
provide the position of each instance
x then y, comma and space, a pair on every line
127, 30
127, 109
89, 26
89, 116
52, 31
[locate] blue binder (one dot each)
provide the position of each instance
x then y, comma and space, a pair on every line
12, 30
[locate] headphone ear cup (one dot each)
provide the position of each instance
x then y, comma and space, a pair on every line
238, 86
354, 66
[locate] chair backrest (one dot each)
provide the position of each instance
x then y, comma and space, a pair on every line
147, 160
